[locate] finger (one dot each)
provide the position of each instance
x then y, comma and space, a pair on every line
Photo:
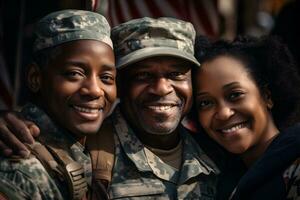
5, 150
10, 140
34, 129
19, 128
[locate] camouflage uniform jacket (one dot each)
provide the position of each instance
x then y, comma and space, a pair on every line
29, 176
139, 174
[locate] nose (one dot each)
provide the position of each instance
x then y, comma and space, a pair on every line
224, 112
161, 87
92, 87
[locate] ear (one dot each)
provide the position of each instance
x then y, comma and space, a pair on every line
268, 98
34, 77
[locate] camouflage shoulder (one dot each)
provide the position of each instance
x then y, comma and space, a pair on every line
30, 177
9, 191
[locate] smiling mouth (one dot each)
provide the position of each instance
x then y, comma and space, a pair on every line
88, 113
87, 110
233, 128
160, 107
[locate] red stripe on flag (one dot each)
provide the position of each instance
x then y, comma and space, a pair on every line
95, 6
154, 9
178, 8
134, 12
120, 16
204, 18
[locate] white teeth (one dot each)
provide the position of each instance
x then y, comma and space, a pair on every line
233, 129
160, 108
86, 110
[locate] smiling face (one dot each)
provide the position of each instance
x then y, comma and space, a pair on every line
157, 94
230, 106
77, 87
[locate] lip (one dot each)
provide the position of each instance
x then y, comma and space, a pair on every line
161, 107
232, 128
90, 112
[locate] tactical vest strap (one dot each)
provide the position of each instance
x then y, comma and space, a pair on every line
73, 172
102, 150
101, 147
44, 156
61, 166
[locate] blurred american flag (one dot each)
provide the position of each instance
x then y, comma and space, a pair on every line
202, 13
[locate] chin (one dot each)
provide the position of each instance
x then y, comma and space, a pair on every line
236, 149
165, 128
161, 130
87, 129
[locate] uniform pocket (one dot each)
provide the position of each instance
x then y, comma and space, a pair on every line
139, 188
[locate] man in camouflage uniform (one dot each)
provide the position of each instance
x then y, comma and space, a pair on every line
155, 158
73, 87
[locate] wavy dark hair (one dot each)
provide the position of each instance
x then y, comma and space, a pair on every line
269, 63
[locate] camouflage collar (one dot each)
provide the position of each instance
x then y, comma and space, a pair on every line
53, 135
195, 162
58, 135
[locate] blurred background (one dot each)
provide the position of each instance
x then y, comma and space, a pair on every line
213, 18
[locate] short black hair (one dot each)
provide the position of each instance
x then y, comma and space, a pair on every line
271, 66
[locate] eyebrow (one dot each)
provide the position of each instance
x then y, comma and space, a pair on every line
83, 64
108, 67
229, 85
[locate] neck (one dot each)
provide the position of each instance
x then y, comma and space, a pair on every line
164, 142
252, 154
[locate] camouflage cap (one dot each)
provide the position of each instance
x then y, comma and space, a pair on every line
142, 38
69, 25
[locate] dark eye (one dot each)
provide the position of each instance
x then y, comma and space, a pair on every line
74, 75
108, 78
176, 75
140, 76
233, 96
204, 104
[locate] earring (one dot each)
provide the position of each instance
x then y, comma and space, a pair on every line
270, 105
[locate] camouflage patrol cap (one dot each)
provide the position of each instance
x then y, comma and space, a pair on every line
142, 38
69, 25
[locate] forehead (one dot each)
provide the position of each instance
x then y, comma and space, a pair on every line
83, 49
222, 70
83, 53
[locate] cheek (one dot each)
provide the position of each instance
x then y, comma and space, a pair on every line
185, 89
66, 89
204, 119
61, 91
111, 93
253, 107
134, 91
